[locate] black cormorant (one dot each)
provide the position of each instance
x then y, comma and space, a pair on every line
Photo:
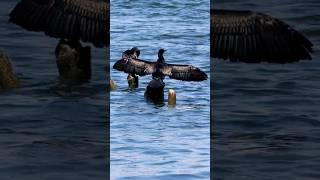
131, 53
74, 20
160, 69
255, 37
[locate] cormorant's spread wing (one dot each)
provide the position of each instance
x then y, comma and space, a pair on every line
254, 37
135, 66
184, 72
86, 20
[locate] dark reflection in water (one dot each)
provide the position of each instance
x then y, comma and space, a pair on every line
266, 117
151, 141
49, 130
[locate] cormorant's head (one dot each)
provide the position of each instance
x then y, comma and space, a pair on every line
136, 51
131, 53
160, 53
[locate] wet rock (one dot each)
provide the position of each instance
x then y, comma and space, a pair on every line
73, 61
172, 97
155, 91
112, 85
8, 79
133, 81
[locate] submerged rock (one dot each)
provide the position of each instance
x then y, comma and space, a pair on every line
155, 90
133, 81
8, 79
73, 61
113, 85
172, 97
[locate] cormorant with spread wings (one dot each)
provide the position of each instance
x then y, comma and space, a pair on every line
159, 69
255, 37
72, 21
85, 20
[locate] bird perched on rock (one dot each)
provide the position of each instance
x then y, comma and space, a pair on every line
72, 21
133, 53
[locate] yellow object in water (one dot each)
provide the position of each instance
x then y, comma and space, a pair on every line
172, 97
133, 81
113, 85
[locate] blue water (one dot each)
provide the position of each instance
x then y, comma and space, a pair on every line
49, 131
151, 141
266, 117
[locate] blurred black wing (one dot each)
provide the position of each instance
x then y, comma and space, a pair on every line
86, 20
135, 66
184, 72
254, 37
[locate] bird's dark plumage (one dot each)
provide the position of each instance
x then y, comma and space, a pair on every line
255, 37
86, 20
131, 53
160, 69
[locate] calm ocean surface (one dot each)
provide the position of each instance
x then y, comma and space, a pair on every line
266, 117
155, 141
49, 131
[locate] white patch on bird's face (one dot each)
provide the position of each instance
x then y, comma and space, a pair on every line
167, 71
125, 56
